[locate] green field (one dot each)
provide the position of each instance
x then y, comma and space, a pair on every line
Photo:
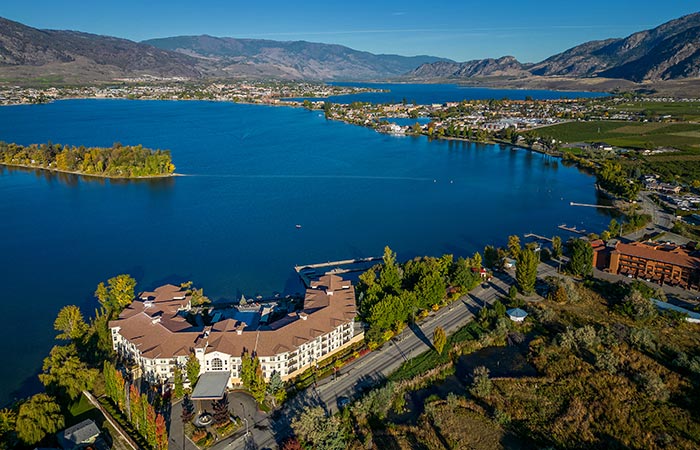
686, 111
648, 135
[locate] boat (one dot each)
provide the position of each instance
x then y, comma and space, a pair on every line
298, 226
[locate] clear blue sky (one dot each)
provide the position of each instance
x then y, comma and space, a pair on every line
457, 29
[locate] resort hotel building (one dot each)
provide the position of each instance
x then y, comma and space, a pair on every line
161, 329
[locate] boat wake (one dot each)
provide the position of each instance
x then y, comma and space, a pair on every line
312, 177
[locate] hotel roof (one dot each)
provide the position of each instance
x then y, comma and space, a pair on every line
669, 254
158, 329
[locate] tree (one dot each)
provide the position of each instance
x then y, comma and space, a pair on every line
64, 372
490, 256
70, 323
513, 292
38, 416
178, 382
187, 410
481, 384
292, 444
161, 433
221, 412
192, 369
8, 423
276, 388
556, 247
319, 431
476, 261
117, 295
389, 276
614, 228
252, 377
526, 271
513, 246
581, 263
439, 339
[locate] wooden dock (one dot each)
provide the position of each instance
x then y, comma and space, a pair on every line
309, 271
537, 237
591, 206
571, 229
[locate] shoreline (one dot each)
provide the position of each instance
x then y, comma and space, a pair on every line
108, 177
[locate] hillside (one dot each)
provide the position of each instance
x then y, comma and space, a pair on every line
29, 55
667, 52
292, 59
29, 52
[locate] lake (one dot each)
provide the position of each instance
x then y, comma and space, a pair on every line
426, 94
251, 174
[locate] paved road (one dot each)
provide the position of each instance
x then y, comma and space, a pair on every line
373, 367
661, 222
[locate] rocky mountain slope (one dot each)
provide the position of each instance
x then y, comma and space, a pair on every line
669, 51
295, 59
28, 53
42, 51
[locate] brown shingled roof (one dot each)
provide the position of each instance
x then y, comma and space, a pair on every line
172, 333
655, 252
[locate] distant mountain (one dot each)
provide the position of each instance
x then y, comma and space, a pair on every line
291, 59
505, 66
26, 51
669, 51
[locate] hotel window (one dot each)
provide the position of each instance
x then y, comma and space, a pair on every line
217, 364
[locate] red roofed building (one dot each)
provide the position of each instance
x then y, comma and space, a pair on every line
662, 263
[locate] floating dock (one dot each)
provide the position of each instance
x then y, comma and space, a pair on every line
537, 237
591, 206
310, 271
571, 229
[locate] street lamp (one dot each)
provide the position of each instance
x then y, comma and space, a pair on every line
244, 418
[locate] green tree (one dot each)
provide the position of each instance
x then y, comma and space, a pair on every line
117, 294
481, 384
192, 369
70, 323
178, 383
439, 339
38, 416
476, 261
64, 372
614, 228
389, 275
276, 388
319, 431
581, 263
514, 246
513, 292
526, 271
8, 423
490, 256
252, 377
556, 247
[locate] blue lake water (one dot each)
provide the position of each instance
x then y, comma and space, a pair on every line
426, 94
252, 174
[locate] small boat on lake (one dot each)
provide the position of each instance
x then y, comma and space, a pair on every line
297, 226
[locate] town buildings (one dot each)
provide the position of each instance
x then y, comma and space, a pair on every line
159, 331
658, 262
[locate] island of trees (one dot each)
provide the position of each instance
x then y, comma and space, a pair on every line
117, 161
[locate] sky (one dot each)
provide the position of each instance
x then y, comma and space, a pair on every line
460, 30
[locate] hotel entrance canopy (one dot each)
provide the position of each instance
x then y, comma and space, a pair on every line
211, 386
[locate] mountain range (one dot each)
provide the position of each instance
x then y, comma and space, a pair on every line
668, 52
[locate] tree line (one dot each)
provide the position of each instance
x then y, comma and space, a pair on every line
117, 161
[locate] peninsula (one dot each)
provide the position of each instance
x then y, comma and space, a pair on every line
118, 161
